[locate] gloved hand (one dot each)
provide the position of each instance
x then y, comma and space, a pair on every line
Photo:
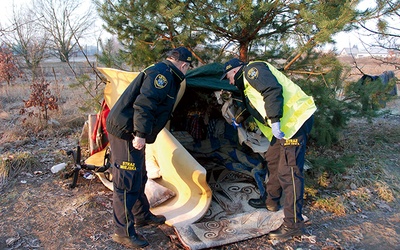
276, 130
138, 143
235, 124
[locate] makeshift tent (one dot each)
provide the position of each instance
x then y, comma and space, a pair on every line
186, 177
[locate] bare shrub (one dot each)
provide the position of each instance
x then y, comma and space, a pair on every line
40, 101
8, 67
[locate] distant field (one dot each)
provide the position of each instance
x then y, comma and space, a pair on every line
370, 66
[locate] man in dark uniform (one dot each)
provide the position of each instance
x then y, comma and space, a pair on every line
284, 114
137, 117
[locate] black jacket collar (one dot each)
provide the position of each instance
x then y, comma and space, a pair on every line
175, 71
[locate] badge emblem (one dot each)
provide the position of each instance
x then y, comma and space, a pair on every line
160, 81
252, 73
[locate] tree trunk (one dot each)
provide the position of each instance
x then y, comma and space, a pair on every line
243, 49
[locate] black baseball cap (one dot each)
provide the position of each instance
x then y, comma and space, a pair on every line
182, 54
231, 64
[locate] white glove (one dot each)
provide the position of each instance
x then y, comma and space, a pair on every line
276, 130
138, 142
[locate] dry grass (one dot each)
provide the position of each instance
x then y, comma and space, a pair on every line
368, 66
331, 204
20, 131
384, 191
74, 101
12, 165
373, 178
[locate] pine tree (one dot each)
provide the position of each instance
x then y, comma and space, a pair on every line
110, 55
148, 29
251, 30
272, 25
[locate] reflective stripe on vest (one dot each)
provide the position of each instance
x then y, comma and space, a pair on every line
297, 106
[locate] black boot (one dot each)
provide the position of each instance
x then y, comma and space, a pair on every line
272, 206
258, 203
134, 241
151, 219
285, 233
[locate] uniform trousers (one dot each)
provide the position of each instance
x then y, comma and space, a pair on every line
130, 203
285, 161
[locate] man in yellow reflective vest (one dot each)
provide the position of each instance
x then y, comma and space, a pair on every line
284, 114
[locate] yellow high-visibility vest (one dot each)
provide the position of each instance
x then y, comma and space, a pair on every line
297, 106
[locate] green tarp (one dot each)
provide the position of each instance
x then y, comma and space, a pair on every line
208, 76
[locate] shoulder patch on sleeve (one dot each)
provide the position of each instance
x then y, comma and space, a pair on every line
252, 73
160, 81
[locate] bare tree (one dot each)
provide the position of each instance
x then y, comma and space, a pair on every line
383, 27
28, 39
25, 38
64, 20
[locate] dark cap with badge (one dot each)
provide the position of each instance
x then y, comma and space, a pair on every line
182, 54
231, 64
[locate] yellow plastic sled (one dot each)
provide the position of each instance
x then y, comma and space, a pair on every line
179, 170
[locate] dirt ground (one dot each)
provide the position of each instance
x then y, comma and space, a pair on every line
39, 211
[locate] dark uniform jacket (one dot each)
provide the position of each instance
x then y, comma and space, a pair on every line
146, 105
269, 87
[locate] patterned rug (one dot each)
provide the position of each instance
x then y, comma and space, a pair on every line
229, 218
